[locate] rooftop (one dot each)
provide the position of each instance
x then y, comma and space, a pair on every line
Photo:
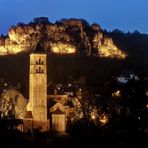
58, 111
28, 114
39, 49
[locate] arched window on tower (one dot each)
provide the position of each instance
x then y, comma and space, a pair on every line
40, 71
39, 61
37, 71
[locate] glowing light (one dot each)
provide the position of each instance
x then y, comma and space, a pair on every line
116, 93
5, 84
62, 48
146, 93
69, 84
93, 117
104, 119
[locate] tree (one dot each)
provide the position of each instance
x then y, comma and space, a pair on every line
87, 104
12, 104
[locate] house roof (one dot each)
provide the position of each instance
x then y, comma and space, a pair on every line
69, 103
28, 114
58, 111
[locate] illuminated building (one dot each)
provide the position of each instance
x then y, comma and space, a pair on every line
38, 89
44, 112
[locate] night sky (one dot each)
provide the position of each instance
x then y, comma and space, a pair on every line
126, 15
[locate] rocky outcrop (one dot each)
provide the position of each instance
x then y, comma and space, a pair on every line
67, 36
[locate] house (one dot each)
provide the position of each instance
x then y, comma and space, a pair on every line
127, 75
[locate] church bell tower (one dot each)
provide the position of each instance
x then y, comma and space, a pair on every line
38, 89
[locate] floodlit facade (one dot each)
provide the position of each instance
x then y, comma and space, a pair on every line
38, 89
44, 112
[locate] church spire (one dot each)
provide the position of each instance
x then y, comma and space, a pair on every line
39, 48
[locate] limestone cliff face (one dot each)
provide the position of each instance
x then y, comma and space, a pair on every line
67, 36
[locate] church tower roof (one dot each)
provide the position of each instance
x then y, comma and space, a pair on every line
39, 49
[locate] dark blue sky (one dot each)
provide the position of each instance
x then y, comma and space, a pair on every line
126, 15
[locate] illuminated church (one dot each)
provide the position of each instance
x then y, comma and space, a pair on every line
44, 112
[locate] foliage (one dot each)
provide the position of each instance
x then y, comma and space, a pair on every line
12, 104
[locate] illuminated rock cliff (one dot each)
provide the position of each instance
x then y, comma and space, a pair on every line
67, 36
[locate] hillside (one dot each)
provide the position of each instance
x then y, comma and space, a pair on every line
75, 49
67, 36
63, 68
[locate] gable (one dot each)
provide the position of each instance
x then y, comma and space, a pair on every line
57, 106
